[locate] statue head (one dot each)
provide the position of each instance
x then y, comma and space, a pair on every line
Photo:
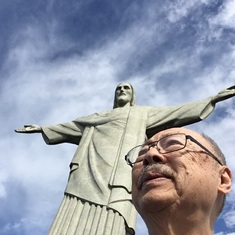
124, 95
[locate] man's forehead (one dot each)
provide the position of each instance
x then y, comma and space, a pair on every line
176, 130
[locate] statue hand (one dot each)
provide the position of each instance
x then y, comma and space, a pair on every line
225, 94
29, 129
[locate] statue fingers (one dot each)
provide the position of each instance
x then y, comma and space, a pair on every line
230, 91
28, 129
231, 88
20, 130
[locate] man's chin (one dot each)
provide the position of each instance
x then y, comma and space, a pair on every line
158, 204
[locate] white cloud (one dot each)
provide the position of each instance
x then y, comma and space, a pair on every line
181, 8
229, 219
222, 233
3, 178
226, 15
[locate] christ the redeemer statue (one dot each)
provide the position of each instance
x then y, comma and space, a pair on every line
97, 199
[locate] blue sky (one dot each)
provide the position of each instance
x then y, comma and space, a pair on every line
60, 60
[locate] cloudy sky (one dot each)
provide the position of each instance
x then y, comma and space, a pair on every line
60, 60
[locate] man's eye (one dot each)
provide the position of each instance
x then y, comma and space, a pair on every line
170, 143
173, 142
151, 145
142, 152
140, 157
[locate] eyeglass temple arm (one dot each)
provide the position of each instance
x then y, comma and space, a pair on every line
207, 150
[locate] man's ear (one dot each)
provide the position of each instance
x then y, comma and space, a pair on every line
225, 181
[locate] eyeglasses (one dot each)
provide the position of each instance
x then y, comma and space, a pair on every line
167, 144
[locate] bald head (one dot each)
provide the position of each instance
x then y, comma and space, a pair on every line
178, 171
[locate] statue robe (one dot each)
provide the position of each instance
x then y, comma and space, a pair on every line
98, 171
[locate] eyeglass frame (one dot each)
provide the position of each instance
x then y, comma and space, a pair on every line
155, 144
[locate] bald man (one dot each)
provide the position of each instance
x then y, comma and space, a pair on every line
179, 182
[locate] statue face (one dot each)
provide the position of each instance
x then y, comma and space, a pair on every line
123, 94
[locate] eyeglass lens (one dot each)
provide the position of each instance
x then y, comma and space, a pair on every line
166, 144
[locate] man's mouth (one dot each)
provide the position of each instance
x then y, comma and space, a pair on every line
151, 176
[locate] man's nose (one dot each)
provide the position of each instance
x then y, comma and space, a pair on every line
153, 156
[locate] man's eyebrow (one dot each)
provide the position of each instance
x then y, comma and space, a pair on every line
161, 137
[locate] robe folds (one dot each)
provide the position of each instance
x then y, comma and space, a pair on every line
98, 171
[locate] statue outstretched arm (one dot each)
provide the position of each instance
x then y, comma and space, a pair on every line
181, 115
70, 132
223, 95
28, 129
